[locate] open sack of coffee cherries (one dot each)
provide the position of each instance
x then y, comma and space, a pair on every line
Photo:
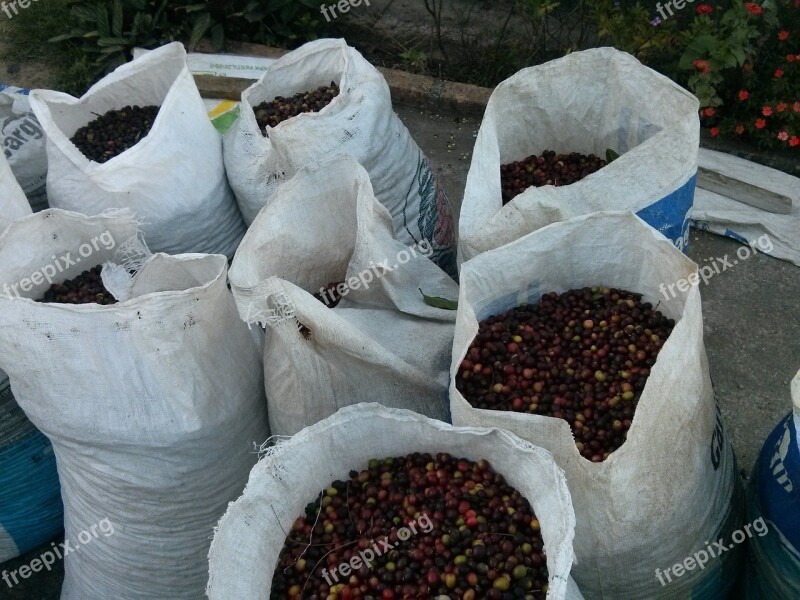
427, 511
141, 139
573, 346
100, 360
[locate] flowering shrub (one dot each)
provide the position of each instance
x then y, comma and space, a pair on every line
743, 63
741, 59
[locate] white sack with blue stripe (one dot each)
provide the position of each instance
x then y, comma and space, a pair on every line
587, 102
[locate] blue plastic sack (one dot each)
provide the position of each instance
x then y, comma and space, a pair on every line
774, 495
31, 513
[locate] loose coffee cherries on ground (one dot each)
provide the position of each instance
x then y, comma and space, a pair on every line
583, 356
86, 288
109, 135
272, 112
473, 536
548, 169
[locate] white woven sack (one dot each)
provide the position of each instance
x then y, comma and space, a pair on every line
153, 405
13, 203
359, 121
382, 342
667, 491
173, 179
586, 102
252, 533
24, 145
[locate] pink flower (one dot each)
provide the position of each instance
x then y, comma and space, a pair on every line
781, 106
778, 73
783, 136
760, 123
740, 129
767, 111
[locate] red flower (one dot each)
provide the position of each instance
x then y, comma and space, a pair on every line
790, 58
795, 141
701, 65
781, 106
760, 123
739, 129
714, 131
783, 35
767, 111
708, 111
796, 106
704, 9
744, 95
753, 8
783, 136
778, 73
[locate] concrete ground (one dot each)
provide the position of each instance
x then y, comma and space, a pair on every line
751, 317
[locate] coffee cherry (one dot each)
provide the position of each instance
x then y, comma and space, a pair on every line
113, 133
272, 112
585, 357
433, 498
86, 288
330, 296
548, 169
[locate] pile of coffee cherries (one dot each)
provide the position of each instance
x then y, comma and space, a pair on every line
417, 526
109, 135
583, 356
272, 112
548, 169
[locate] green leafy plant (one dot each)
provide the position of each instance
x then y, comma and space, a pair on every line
106, 31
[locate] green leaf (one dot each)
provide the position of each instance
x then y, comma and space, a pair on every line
201, 26
84, 13
217, 37
103, 24
116, 18
194, 7
438, 302
64, 37
113, 41
113, 49
611, 155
